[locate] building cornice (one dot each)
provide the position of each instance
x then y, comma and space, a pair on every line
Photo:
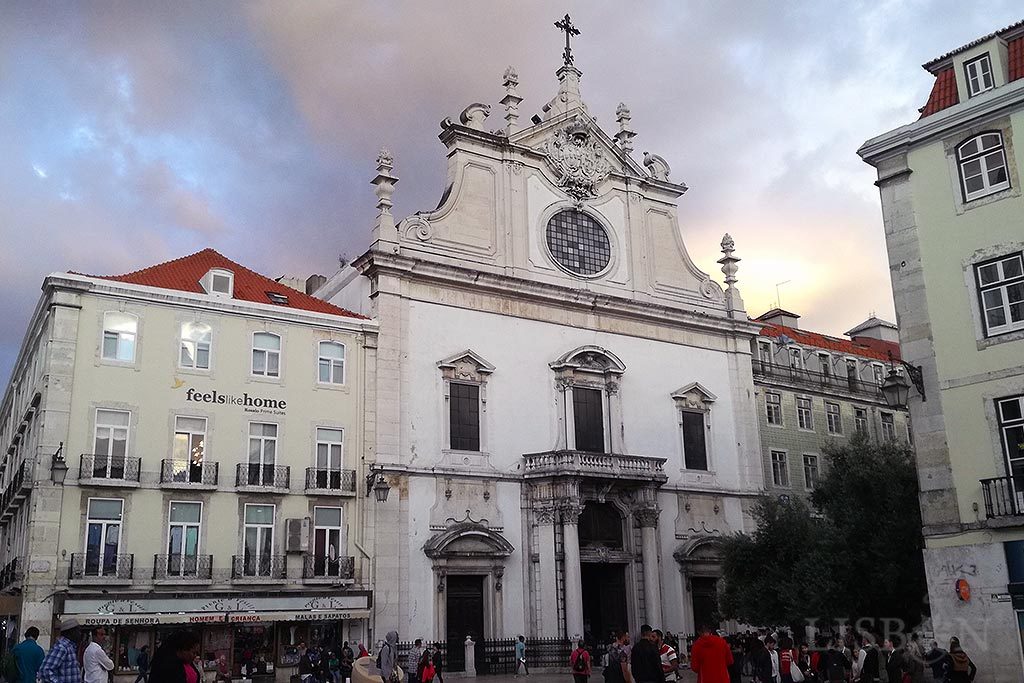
901, 139
175, 298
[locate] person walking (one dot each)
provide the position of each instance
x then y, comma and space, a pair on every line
174, 660
95, 660
61, 663
28, 656
787, 659
521, 656
437, 657
669, 658
960, 668
425, 667
579, 663
412, 661
142, 662
387, 660
937, 660
760, 662
617, 669
711, 658
645, 661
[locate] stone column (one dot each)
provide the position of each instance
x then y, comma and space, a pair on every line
647, 517
573, 577
545, 516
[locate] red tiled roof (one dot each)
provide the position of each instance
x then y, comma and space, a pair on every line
943, 93
1015, 49
870, 348
184, 274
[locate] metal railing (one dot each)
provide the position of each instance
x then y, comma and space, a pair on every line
10, 574
178, 566
186, 472
1004, 497
109, 467
95, 565
607, 465
258, 566
818, 380
16, 489
343, 481
267, 476
323, 567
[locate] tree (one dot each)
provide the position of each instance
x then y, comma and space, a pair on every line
855, 553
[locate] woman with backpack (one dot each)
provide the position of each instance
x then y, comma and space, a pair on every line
425, 667
579, 662
960, 667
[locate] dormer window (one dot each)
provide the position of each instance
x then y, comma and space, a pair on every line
219, 282
278, 298
979, 75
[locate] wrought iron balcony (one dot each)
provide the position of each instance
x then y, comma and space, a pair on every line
16, 490
105, 566
272, 477
817, 380
1004, 497
111, 470
10, 574
178, 566
184, 473
334, 482
596, 465
258, 566
338, 569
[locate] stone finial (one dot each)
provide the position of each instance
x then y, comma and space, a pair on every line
733, 300
656, 166
511, 100
474, 115
384, 187
625, 136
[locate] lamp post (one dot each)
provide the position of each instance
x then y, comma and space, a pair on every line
59, 467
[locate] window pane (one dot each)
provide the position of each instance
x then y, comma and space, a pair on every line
332, 435
103, 508
187, 356
464, 417
332, 350
265, 340
1012, 268
1010, 410
327, 516
126, 347
589, 419
259, 362
120, 322
189, 424
694, 447
993, 298
112, 417
186, 512
996, 317
203, 357
325, 371
989, 273
990, 140
259, 514
272, 364
969, 149
110, 345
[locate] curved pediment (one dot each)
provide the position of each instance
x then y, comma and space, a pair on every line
468, 539
590, 358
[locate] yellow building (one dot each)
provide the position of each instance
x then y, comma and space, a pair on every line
184, 445
954, 224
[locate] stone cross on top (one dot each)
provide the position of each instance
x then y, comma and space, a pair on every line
566, 25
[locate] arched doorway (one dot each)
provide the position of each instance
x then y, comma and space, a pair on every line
603, 563
701, 563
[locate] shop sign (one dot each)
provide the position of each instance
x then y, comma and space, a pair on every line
206, 604
250, 404
144, 619
260, 617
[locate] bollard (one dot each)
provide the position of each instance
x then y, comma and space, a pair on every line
470, 656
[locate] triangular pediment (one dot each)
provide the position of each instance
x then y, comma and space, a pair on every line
694, 391
467, 356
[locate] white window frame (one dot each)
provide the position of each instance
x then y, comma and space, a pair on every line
246, 525
211, 277
263, 440
978, 70
267, 353
194, 346
878, 373
119, 337
834, 419
328, 529
765, 355
808, 424
330, 447
190, 434
105, 524
860, 425
768, 408
796, 358
776, 471
982, 156
111, 427
825, 364
808, 484
185, 526
334, 366
888, 428
1001, 285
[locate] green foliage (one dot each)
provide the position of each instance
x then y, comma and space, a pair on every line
856, 553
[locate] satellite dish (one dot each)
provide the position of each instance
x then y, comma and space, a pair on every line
785, 340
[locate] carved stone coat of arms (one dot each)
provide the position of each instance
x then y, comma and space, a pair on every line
580, 161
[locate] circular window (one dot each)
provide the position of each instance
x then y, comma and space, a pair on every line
578, 243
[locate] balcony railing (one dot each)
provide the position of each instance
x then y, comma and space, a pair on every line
334, 481
1004, 497
109, 468
598, 465
185, 472
10, 574
817, 380
16, 490
258, 566
263, 476
97, 566
178, 566
324, 567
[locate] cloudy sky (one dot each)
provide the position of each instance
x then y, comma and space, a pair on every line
131, 133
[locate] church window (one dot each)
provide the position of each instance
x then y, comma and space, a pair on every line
464, 416
588, 413
695, 454
982, 163
578, 243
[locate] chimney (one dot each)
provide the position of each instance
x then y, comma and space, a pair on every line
778, 316
875, 328
314, 282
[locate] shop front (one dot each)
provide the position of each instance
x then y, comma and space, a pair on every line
254, 636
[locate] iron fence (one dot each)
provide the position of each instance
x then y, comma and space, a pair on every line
1002, 496
267, 476
109, 467
179, 566
250, 566
341, 481
188, 472
101, 565
324, 567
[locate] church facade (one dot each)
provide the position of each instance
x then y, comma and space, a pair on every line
564, 410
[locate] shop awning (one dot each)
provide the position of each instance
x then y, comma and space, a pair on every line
326, 615
147, 619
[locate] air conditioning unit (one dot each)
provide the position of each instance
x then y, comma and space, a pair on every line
296, 535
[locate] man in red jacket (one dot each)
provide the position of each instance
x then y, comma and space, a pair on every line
710, 657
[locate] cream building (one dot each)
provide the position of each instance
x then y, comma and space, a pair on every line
565, 405
950, 186
184, 445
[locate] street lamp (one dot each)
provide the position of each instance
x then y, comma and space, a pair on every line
59, 467
376, 483
896, 389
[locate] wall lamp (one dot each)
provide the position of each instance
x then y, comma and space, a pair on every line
896, 388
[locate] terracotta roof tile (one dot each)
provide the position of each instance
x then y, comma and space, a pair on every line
184, 274
943, 95
1015, 48
869, 348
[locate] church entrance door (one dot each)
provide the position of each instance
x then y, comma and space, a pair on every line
704, 592
604, 600
465, 616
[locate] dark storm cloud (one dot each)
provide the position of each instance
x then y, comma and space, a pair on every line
134, 133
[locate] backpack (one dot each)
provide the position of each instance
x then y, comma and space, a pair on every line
961, 662
580, 665
9, 667
428, 672
613, 672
